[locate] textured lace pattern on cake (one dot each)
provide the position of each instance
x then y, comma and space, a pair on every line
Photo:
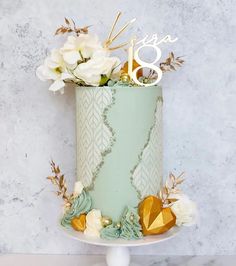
94, 136
147, 174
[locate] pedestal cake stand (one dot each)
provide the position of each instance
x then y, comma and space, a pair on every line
117, 253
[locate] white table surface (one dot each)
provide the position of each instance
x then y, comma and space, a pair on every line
85, 260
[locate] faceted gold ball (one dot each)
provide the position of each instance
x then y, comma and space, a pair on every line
118, 225
106, 221
124, 77
131, 217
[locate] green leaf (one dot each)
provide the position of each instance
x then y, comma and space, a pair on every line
104, 80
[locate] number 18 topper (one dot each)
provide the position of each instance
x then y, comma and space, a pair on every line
146, 42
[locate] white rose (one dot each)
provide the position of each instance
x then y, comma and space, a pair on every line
78, 188
100, 64
80, 47
93, 223
54, 68
185, 211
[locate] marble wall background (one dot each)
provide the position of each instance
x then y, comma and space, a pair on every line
199, 118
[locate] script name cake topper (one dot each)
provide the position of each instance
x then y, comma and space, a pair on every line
133, 54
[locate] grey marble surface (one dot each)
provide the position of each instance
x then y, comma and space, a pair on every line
69, 260
199, 119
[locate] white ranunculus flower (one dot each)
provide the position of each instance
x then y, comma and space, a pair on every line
54, 68
185, 211
80, 47
93, 223
78, 188
100, 64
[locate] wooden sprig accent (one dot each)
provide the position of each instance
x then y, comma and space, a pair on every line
171, 63
70, 26
58, 180
170, 188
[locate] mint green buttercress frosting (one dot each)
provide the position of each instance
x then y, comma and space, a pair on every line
110, 232
129, 229
81, 204
130, 226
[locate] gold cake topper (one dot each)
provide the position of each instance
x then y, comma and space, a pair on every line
111, 39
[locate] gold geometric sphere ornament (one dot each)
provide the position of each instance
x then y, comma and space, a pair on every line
154, 218
79, 223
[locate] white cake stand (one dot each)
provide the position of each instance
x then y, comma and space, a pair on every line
118, 250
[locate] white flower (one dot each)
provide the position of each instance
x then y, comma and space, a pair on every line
79, 48
185, 211
100, 64
54, 68
78, 188
93, 223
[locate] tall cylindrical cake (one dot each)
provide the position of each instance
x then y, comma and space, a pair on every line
119, 145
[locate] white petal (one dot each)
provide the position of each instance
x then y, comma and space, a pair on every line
51, 64
65, 75
44, 73
71, 57
86, 74
55, 55
92, 232
57, 85
101, 53
93, 223
78, 188
69, 45
40, 73
71, 39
